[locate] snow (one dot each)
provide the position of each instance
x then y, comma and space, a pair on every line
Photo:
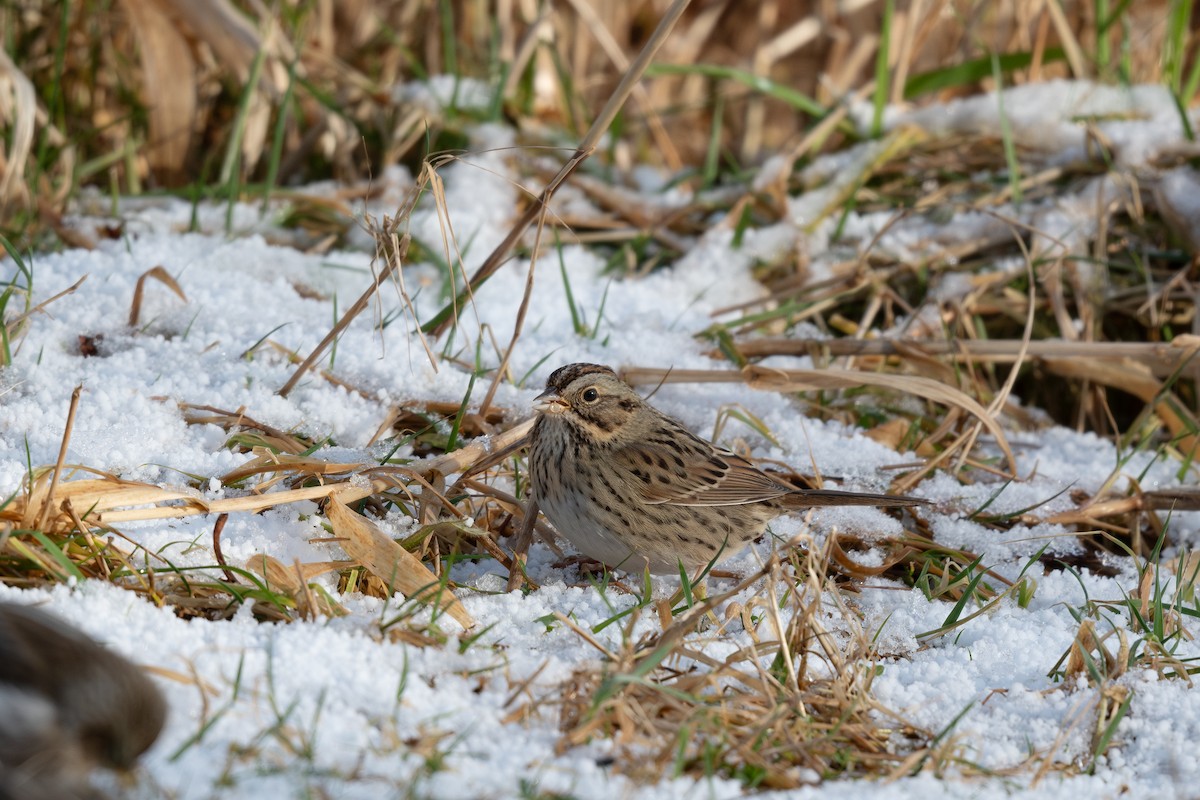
336, 707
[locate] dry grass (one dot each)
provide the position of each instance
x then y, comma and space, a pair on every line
791, 707
237, 103
225, 95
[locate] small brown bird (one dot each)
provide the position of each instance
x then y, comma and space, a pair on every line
67, 705
633, 488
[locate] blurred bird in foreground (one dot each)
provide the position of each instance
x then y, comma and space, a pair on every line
67, 705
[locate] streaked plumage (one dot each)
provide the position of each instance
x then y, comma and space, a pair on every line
631, 487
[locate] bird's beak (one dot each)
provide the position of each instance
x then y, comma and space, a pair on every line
549, 403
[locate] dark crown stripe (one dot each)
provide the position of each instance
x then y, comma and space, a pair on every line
563, 377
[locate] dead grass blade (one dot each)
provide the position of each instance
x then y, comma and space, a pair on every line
62, 457
18, 113
237, 45
1066, 35
17, 320
368, 545
1093, 512
169, 83
159, 274
285, 465
294, 581
391, 246
195, 505
1005, 391
266, 435
94, 497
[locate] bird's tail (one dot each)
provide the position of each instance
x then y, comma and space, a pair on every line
807, 498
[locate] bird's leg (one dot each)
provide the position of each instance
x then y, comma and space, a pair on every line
698, 585
589, 568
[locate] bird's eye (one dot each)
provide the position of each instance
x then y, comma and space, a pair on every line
590, 395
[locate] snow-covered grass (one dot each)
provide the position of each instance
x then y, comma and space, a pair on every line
804, 672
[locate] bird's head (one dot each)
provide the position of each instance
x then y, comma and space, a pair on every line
592, 399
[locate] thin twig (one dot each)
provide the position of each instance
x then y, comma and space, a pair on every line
521, 312
218, 527
352, 312
19, 318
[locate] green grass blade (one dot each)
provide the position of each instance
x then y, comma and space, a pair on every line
970, 72
883, 81
758, 83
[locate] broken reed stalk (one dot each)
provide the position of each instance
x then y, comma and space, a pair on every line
393, 263
448, 315
457, 462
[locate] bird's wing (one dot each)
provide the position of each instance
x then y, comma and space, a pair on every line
693, 473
